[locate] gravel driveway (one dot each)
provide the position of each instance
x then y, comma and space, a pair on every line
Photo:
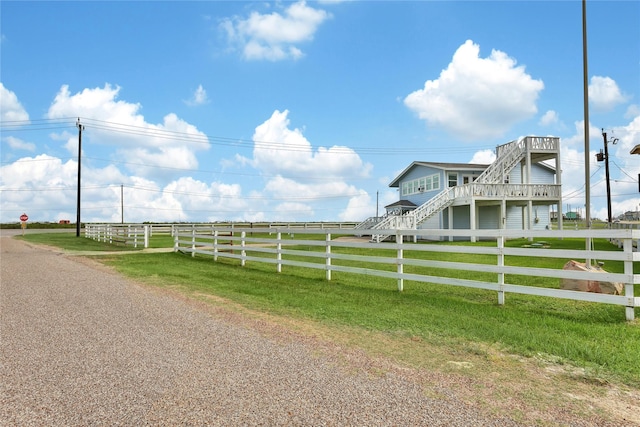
83, 346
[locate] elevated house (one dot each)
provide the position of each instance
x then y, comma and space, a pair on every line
516, 191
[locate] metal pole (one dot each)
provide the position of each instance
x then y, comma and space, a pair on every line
122, 203
80, 128
587, 183
585, 84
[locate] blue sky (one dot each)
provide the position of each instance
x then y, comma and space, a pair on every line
300, 111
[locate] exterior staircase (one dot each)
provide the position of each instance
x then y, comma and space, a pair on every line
508, 159
510, 155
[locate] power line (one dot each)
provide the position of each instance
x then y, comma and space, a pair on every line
153, 131
623, 171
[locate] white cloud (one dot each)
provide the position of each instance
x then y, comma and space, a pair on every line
477, 98
283, 151
274, 36
54, 183
216, 201
199, 97
293, 210
308, 181
109, 121
632, 111
45, 188
10, 107
483, 157
18, 144
604, 93
549, 118
359, 208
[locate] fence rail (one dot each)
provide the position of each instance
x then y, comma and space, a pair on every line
268, 245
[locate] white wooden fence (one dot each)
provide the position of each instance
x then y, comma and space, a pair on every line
268, 245
139, 234
127, 234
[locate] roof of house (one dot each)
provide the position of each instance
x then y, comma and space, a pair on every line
402, 203
438, 165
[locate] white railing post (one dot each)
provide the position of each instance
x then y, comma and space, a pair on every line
279, 252
193, 240
399, 261
147, 233
176, 245
501, 274
243, 253
215, 245
628, 287
328, 255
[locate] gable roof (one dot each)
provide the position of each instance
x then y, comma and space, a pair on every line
438, 165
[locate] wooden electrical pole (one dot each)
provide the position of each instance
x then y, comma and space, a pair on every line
606, 171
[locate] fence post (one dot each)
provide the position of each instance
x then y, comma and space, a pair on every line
176, 245
243, 253
215, 245
328, 254
399, 241
193, 240
628, 287
147, 233
501, 274
135, 236
279, 252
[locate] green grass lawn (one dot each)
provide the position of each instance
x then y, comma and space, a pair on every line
587, 335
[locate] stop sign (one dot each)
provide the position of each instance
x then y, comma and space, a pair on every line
24, 217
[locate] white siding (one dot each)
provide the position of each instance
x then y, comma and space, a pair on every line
431, 223
544, 217
514, 217
541, 175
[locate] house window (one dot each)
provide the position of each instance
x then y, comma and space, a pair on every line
453, 179
420, 185
405, 188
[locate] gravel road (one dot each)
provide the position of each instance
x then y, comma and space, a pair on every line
80, 345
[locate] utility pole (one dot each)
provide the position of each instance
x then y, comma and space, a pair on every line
605, 156
585, 83
80, 129
585, 88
